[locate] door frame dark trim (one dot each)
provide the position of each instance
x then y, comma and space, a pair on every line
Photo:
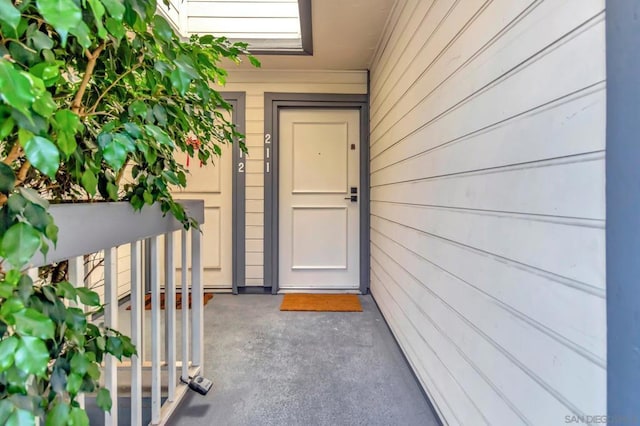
273, 103
238, 208
623, 211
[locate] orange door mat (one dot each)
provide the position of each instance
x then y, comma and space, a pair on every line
147, 301
321, 303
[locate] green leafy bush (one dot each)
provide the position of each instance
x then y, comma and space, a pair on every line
91, 92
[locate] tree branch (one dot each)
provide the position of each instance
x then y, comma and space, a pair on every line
14, 154
121, 172
93, 59
112, 85
22, 173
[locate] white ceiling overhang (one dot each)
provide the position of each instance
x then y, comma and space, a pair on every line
345, 32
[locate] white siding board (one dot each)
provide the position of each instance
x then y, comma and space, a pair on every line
532, 84
553, 188
513, 285
398, 41
488, 207
425, 360
440, 27
516, 387
574, 121
515, 339
576, 252
254, 246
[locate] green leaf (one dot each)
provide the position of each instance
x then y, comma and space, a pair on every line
58, 379
41, 41
162, 29
7, 178
254, 61
16, 203
52, 232
21, 418
63, 15
37, 216
68, 121
6, 290
159, 135
45, 105
187, 66
32, 356
25, 287
66, 290
6, 408
76, 319
9, 307
115, 28
114, 346
88, 297
147, 197
150, 154
138, 108
98, 12
43, 154
59, 415
112, 190
32, 323
15, 88
133, 130
89, 182
180, 81
125, 140
19, 244
9, 14
79, 364
115, 8
48, 72
103, 399
160, 114
32, 195
6, 127
7, 349
82, 33
67, 143
13, 277
67, 124
74, 382
93, 370
78, 417
115, 154
128, 348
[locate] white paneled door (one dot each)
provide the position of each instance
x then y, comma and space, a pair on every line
213, 184
319, 199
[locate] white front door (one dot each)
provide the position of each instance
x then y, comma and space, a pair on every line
212, 183
318, 221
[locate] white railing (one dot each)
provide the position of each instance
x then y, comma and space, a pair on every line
89, 228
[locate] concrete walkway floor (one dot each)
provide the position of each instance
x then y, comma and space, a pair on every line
301, 368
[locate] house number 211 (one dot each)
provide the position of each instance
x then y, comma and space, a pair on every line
267, 154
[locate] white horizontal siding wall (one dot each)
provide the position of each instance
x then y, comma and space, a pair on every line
255, 83
488, 204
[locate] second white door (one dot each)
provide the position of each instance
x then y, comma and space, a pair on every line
318, 218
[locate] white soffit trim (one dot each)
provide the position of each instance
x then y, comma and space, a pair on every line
267, 25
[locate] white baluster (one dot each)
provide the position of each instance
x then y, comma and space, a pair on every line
170, 309
197, 296
137, 309
76, 277
156, 397
185, 306
111, 321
